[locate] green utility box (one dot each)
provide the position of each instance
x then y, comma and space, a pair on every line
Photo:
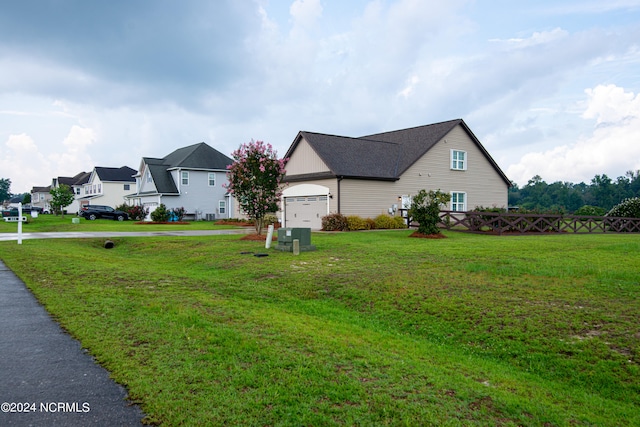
286, 236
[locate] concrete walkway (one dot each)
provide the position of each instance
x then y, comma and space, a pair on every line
46, 378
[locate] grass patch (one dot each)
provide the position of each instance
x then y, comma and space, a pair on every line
373, 328
55, 223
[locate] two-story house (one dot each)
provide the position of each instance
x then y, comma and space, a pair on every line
107, 186
377, 174
191, 177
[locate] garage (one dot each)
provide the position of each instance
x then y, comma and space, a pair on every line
305, 211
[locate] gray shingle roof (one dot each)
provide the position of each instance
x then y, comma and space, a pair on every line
383, 156
122, 174
198, 156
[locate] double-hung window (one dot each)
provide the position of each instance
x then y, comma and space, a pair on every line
458, 160
184, 177
212, 179
222, 207
458, 201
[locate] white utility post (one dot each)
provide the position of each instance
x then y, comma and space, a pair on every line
20, 223
267, 243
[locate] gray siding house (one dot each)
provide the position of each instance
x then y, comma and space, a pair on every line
190, 177
379, 173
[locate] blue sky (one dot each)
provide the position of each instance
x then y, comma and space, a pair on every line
549, 87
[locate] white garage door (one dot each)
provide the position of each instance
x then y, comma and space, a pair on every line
305, 211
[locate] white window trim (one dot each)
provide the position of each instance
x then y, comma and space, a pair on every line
222, 207
464, 161
182, 178
464, 203
209, 175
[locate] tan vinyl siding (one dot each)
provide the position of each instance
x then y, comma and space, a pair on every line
305, 160
482, 183
366, 198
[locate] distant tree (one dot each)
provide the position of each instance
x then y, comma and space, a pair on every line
5, 189
255, 179
62, 197
425, 209
26, 198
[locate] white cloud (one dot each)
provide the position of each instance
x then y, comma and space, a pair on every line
24, 162
611, 149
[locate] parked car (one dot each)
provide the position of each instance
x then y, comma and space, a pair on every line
93, 212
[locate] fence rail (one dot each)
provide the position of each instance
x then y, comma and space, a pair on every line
500, 223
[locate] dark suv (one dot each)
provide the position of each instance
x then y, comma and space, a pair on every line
92, 212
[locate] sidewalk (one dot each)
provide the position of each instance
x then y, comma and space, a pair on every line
45, 375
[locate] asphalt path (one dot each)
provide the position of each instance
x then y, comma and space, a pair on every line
46, 377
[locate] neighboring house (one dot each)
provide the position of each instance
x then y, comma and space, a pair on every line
107, 186
379, 173
191, 177
74, 183
41, 197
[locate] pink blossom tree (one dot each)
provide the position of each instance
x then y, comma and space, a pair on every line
255, 179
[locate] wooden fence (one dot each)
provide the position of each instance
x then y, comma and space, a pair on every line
516, 223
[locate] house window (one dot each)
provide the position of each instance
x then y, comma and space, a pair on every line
149, 179
212, 179
100, 188
127, 187
458, 160
458, 201
222, 206
78, 191
185, 177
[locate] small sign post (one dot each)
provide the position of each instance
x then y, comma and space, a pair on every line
20, 223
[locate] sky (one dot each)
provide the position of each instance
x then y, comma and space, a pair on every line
550, 88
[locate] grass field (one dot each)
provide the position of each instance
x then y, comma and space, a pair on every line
53, 223
373, 328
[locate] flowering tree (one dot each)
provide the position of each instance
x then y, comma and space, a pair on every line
254, 180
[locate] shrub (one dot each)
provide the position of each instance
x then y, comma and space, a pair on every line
177, 214
628, 208
425, 209
400, 222
384, 221
588, 210
160, 214
354, 223
371, 223
270, 219
135, 212
335, 222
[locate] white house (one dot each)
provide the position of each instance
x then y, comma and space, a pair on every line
107, 186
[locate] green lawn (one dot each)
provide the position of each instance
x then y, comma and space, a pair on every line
373, 328
53, 223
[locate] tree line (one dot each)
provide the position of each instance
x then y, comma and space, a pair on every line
602, 193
